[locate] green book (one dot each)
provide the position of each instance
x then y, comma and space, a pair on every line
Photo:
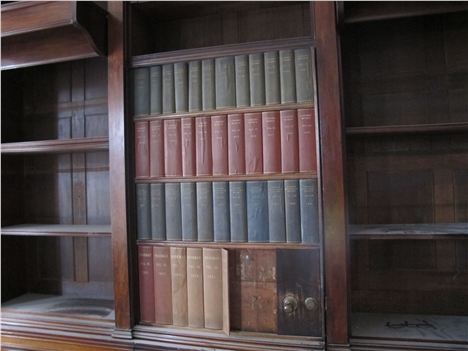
141, 90
272, 78
257, 79
143, 211
242, 81
303, 64
208, 85
168, 100
156, 90
287, 76
225, 81
181, 86
195, 86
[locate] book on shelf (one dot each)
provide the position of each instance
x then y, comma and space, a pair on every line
257, 79
238, 211
236, 144
168, 93
257, 211
208, 85
181, 87
309, 211
189, 211
271, 140
287, 76
205, 211
156, 87
219, 144
272, 78
146, 283
292, 210
253, 143
195, 86
289, 141
156, 148
221, 215
141, 89
172, 148
303, 69
195, 303
188, 147
179, 286
241, 63
225, 85
143, 211
307, 140
173, 211
142, 152
162, 285
204, 158
158, 211
276, 211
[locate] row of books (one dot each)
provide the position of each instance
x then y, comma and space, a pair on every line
237, 211
235, 144
183, 286
258, 79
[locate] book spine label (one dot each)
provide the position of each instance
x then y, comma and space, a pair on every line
221, 220
181, 86
219, 144
213, 288
205, 211
292, 211
242, 81
143, 211
238, 211
236, 144
173, 212
156, 90
272, 78
172, 148
146, 280
257, 211
141, 91
195, 86
208, 85
196, 315
168, 99
276, 212
257, 79
156, 148
287, 76
309, 210
225, 82
204, 161
142, 158
303, 65
253, 143
158, 211
289, 141
188, 147
271, 142
189, 211
307, 141
162, 285
179, 286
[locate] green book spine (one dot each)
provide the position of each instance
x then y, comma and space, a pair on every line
303, 64
221, 221
156, 90
225, 80
168, 88
242, 81
143, 211
158, 215
257, 79
173, 212
181, 86
195, 86
205, 211
272, 78
208, 85
309, 210
287, 76
189, 211
141, 90
238, 211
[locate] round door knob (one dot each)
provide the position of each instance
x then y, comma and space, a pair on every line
311, 303
289, 304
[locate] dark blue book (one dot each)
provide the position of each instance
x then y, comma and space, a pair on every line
205, 211
309, 210
141, 91
158, 212
292, 211
221, 222
257, 211
238, 211
143, 211
189, 211
173, 212
276, 216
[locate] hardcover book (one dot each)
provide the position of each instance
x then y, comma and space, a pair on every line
168, 90
219, 144
289, 141
208, 85
156, 90
141, 90
181, 86
292, 211
179, 286
242, 81
221, 220
276, 211
142, 156
257, 79
143, 211
173, 212
158, 211
195, 86
272, 78
172, 148
196, 315
253, 143
307, 144
257, 211
271, 142
236, 144
204, 161
309, 210
146, 280
188, 147
287, 76
162, 285
156, 146
188, 195
225, 79
238, 211
205, 211
303, 65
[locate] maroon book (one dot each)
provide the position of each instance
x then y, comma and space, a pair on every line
219, 144
146, 279
307, 140
271, 142
236, 144
172, 148
141, 149
204, 162
188, 147
253, 143
156, 148
289, 141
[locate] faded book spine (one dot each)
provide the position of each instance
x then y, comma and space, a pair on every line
204, 160
142, 156
304, 83
156, 90
257, 211
189, 211
196, 315
195, 86
172, 148
257, 79
225, 79
188, 147
181, 86
205, 211
173, 212
276, 212
156, 151
253, 143
236, 144
143, 211
242, 81
221, 220
213, 288
292, 211
162, 285
168, 89
219, 144
309, 210
287, 76
238, 211
146, 280
208, 85
272, 78
179, 286
271, 136
307, 141
289, 141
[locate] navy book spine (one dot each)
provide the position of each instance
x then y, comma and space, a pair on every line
257, 211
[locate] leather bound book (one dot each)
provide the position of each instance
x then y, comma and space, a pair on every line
304, 83
292, 210
196, 315
257, 211
156, 90
208, 85
188, 147
188, 195
205, 211
289, 141
156, 144
146, 280
179, 286
162, 285
271, 142
141, 91
219, 144
276, 212
236, 144
221, 220
168, 89
172, 148
213, 288
238, 211
225, 79
181, 86
158, 211
204, 161
257, 79
143, 211
142, 156
242, 81
287, 76
307, 141
309, 210
253, 143
195, 86
173, 212
272, 78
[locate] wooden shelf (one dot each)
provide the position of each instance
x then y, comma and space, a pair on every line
408, 129
230, 245
56, 146
409, 231
228, 178
85, 230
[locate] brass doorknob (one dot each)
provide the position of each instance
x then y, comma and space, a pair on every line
311, 303
289, 304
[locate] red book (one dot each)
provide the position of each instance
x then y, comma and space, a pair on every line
271, 142
141, 149
146, 279
219, 145
253, 143
172, 148
204, 161
236, 144
156, 148
307, 141
289, 141
188, 147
